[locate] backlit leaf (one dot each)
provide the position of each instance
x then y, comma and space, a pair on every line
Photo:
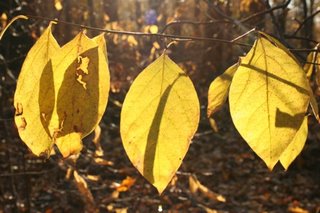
268, 99
218, 90
308, 68
313, 103
81, 81
29, 116
159, 117
279, 45
296, 146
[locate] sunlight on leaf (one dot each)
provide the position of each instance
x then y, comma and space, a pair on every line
218, 90
268, 99
296, 146
159, 117
309, 66
81, 81
279, 45
30, 118
313, 103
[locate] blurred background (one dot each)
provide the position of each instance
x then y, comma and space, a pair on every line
220, 172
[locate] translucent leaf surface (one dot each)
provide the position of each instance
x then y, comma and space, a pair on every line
81, 79
296, 146
218, 90
29, 116
308, 68
159, 117
268, 99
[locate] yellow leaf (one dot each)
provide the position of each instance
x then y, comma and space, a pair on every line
58, 4
81, 81
313, 103
279, 45
218, 90
153, 29
213, 124
296, 146
309, 66
159, 117
30, 118
268, 99
132, 41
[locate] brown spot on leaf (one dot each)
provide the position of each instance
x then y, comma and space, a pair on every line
23, 124
19, 109
75, 128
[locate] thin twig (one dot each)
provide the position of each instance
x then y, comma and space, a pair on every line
120, 32
243, 35
281, 6
172, 36
305, 21
180, 22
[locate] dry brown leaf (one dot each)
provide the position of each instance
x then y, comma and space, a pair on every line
195, 186
85, 192
297, 209
103, 162
126, 184
96, 140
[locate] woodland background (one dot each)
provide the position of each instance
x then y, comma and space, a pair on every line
220, 172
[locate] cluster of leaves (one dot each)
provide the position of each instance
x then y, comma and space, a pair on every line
58, 98
269, 96
62, 93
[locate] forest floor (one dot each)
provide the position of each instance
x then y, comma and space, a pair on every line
220, 173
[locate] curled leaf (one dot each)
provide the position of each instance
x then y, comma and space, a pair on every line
218, 90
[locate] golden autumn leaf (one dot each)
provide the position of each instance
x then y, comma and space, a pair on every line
81, 80
268, 98
313, 103
278, 44
58, 4
308, 68
218, 90
159, 117
29, 115
296, 145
